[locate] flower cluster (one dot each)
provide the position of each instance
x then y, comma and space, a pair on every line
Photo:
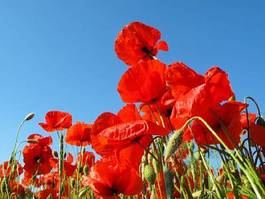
160, 144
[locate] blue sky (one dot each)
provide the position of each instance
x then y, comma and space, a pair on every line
59, 54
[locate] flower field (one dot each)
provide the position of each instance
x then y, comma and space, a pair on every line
180, 134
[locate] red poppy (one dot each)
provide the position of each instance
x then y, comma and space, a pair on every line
121, 135
182, 79
17, 189
68, 167
79, 134
124, 135
144, 82
36, 158
10, 169
41, 140
225, 121
256, 128
108, 179
56, 121
50, 180
138, 41
86, 158
214, 90
129, 113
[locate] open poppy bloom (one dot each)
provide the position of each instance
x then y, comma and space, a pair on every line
125, 135
256, 128
138, 41
225, 121
209, 91
36, 159
79, 134
108, 178
119, 134
56, 121
144, 82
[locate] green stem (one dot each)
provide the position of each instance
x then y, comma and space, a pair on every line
61, 159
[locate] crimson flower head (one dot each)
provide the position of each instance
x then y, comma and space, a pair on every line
56, 121
138, 41
107, 179
36, 158
144, 82
79, 134
224, 119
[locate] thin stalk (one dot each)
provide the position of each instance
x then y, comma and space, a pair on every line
245, 168
61, 160
217, 189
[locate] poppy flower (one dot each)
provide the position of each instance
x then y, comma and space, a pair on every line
256, 128
107, 179
138, 41
17, 189
86, 158
56, 121
214, 90
225, 121
144, 82
121, 135
79, 134
125, 135
36, 159
181, 78
10, 170
50, 180
41, 140
68, 167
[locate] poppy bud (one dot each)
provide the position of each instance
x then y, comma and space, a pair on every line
29, 116
72, 183
79, 168
149, 174
196, 155
82, 192
220, 178
32, 141
85, 170
173, 143
232, 98
156, 165
83, 150
4, 186
260, 121
55, 154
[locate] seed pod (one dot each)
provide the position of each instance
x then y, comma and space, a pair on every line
173, 143
156, 165
72, 183
55, 154
85, 170
196, 155
169, 182
29, 116
149, 174
260, 121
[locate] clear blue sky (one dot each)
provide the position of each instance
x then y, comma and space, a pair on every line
59, 54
